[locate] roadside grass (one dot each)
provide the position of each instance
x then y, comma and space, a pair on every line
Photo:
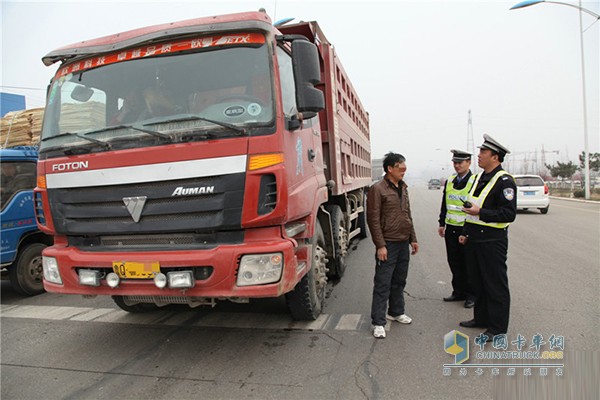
575, 193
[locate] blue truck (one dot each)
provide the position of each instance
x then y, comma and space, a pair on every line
22, 242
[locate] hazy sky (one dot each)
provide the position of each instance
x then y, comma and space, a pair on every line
418, 66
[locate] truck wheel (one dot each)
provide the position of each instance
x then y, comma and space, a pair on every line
337, 265
133, 308
305, 302
27, 272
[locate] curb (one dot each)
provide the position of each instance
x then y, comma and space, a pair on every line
576, 200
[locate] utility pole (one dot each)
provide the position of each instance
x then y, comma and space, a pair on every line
471, 143
544, 159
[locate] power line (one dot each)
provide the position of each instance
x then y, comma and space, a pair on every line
21, 87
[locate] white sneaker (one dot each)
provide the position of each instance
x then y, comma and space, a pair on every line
379, 332
403, 319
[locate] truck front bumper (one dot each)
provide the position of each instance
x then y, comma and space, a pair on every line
221, 283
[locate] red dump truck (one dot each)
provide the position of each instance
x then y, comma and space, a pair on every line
220, 158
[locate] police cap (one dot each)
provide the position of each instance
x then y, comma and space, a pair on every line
460, 155
492, 144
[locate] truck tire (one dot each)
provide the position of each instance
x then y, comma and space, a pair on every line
26, 273
337, 264
305, 302
134, 308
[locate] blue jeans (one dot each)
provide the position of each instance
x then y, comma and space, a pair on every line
389, 282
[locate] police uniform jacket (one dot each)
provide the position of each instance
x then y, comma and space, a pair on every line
500, 205
458, 186
388, 213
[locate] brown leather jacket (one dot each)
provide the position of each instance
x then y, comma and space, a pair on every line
388, 216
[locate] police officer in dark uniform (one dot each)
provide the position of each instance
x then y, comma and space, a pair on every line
491, 207
451, 222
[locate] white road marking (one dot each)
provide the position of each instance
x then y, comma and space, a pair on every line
43, 312
92, 314
325, 322
348, 322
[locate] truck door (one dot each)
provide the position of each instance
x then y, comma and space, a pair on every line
302, 145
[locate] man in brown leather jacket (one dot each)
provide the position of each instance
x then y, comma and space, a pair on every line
392, 230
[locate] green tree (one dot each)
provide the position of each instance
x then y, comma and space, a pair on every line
594, 161
562, 170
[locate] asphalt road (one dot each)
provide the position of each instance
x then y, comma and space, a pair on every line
67, 347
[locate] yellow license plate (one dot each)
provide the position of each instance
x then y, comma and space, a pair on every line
136, 270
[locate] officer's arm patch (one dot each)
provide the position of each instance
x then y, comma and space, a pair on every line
509, 193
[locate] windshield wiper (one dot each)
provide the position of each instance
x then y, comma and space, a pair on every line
199, 134
132, 126
149, 132
104, 145
189, 117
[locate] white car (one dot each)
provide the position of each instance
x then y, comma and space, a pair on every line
434, 184
532, 192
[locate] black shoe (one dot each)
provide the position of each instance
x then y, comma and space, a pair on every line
469, 303
472, 324
453, 298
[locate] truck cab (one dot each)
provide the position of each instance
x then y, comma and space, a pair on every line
22, 242
201, 160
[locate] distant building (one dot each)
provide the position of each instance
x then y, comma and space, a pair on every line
11, 102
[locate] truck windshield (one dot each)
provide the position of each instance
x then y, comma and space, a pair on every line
218, 92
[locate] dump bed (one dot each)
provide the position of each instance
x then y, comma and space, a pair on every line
344, 122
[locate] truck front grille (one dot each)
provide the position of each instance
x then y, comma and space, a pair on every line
101, 210
156, 242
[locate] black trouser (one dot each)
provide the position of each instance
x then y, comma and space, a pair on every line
488, 276
389, 282
457, 260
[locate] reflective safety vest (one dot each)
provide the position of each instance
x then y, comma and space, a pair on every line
454, 201
474, 219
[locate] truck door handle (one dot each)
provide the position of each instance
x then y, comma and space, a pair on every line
311, 155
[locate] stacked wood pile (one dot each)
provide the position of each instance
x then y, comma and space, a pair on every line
21, 128
80, 117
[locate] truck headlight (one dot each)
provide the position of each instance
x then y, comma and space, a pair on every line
89, 277
258, 269
51, 271
180, 279
112, 280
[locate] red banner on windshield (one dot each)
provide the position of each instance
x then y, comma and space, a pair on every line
162, 48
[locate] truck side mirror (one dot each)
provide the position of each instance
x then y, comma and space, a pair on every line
307, 73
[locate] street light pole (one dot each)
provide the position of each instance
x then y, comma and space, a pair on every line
586, 155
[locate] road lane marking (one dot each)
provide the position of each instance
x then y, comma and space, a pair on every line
348, 322
325, 322
315, 325
6, 307
120, 316
43, 312
92, 314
